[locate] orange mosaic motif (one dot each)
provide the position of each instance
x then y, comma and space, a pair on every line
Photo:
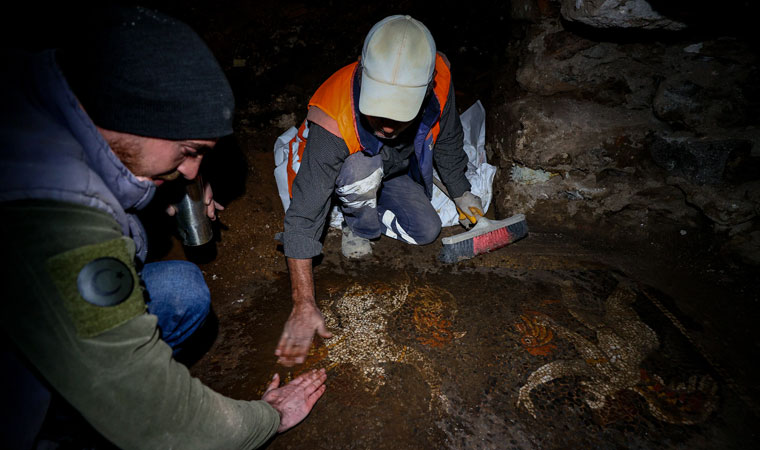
536, 338
430, 316
434, 328
683, 403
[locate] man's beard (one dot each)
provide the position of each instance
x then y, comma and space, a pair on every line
128, 152
127, 149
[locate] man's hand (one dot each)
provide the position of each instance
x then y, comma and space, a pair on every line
470, 207
211, 204
304, 321
295, 400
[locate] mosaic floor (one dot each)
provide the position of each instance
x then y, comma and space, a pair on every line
556, 356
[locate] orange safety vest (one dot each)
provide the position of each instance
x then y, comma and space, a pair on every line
335, 109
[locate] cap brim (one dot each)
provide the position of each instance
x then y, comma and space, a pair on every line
398, 103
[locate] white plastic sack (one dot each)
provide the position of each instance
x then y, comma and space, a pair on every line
281, 165
479, 172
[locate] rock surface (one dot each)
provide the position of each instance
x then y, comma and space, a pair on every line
642, 131
617, 14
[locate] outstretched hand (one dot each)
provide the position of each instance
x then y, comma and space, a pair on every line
299, 330
295, 400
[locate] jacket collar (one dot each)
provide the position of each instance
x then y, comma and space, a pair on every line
131, 193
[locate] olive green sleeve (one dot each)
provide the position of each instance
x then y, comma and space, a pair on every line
108, 361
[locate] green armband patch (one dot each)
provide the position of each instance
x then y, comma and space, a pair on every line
99, 285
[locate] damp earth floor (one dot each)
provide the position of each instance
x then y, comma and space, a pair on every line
552, 342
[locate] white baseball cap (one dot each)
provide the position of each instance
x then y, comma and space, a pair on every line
399, 61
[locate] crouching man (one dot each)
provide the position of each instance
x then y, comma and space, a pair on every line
373, 133
86, 136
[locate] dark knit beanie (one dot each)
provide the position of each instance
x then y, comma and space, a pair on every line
141, 72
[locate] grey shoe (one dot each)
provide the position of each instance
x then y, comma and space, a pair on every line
353, 246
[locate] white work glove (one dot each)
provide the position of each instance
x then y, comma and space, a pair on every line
470, 208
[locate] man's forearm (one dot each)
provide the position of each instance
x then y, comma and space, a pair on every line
305, 319
301, 281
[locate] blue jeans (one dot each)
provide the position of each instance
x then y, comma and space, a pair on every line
178, 296
396, 206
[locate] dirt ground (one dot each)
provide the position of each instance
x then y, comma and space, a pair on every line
431, 356
557, 341
411, 331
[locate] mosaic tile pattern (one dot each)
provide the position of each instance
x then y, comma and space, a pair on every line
581, 358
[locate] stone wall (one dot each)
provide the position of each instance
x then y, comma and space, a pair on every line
628, 118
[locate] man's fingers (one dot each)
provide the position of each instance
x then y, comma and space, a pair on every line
316, 387
313, 375
295, 349
324, 332
211, 208
310, 376
282, 344
315, 379
211, 205
291, 354
312, 399
463, 215
288, 344
299, 380
297, 337
475, 212
287, 362
274, 384
208, 193
297, 346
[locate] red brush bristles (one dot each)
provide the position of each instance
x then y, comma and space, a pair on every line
502, 233
491, 241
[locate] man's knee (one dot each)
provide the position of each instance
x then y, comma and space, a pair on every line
359, 180
196, 300
428, 230
419, 230
177, 288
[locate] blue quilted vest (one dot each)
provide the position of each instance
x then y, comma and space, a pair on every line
51, 150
